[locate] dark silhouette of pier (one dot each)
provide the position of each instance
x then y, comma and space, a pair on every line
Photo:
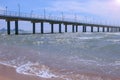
16, 17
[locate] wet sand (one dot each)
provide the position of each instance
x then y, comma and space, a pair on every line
9, 73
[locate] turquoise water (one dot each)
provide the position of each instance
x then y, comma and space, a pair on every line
97, 53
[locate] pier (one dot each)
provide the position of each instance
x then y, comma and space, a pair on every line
15, 17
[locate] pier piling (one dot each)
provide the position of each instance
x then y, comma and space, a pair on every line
65, 27
73, 28
16, 27
8, 27
33, 27
42, 28
60, 31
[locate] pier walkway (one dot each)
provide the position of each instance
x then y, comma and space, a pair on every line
16, 17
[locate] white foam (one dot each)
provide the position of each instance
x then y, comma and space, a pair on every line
114, 40
7, 64
45, 74
33, 69
116, 34
12, 63
113, 34
76, 59
116, 63
85, 38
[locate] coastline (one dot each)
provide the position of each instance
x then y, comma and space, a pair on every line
16, 54
9, 73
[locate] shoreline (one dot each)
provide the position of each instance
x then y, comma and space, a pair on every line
9, 73
18, 52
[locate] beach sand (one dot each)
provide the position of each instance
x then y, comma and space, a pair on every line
9, 73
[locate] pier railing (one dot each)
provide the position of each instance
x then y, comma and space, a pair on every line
48, 17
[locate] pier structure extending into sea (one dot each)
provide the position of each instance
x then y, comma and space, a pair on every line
16, 17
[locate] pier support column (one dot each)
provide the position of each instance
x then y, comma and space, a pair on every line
42, 28
91, 28
16, 27
115, 29
60, 30
107, 29
98, 29
73, 28
103, 29
8, 27
84, 28
65, 27
33, 27
76, 28
52, 28
111, 29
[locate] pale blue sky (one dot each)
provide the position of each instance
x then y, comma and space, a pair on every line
95, 10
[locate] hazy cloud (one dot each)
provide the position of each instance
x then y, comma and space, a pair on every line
101, 8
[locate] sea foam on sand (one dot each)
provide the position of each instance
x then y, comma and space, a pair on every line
35, 70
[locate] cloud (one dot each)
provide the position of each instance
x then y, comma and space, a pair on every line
107, 9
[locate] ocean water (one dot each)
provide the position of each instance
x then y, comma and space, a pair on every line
67, 56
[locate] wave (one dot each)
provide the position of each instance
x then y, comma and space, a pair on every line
42, 71
6, 64
36, 70
114, 40
87, 38
113, 34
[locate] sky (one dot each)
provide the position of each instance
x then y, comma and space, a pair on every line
91, 10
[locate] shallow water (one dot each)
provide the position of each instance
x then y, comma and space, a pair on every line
55, 55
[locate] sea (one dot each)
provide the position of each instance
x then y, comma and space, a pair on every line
65, 56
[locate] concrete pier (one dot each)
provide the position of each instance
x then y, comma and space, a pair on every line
103, 29
91, 28
84, 28
75, 25
107, 29
33, 27
52, 28
42, 28
76, 28
65, 27
111, 29
60, 29
16, 27
98, 29
73, 28
8, 27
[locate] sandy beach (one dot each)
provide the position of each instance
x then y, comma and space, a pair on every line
9, 73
